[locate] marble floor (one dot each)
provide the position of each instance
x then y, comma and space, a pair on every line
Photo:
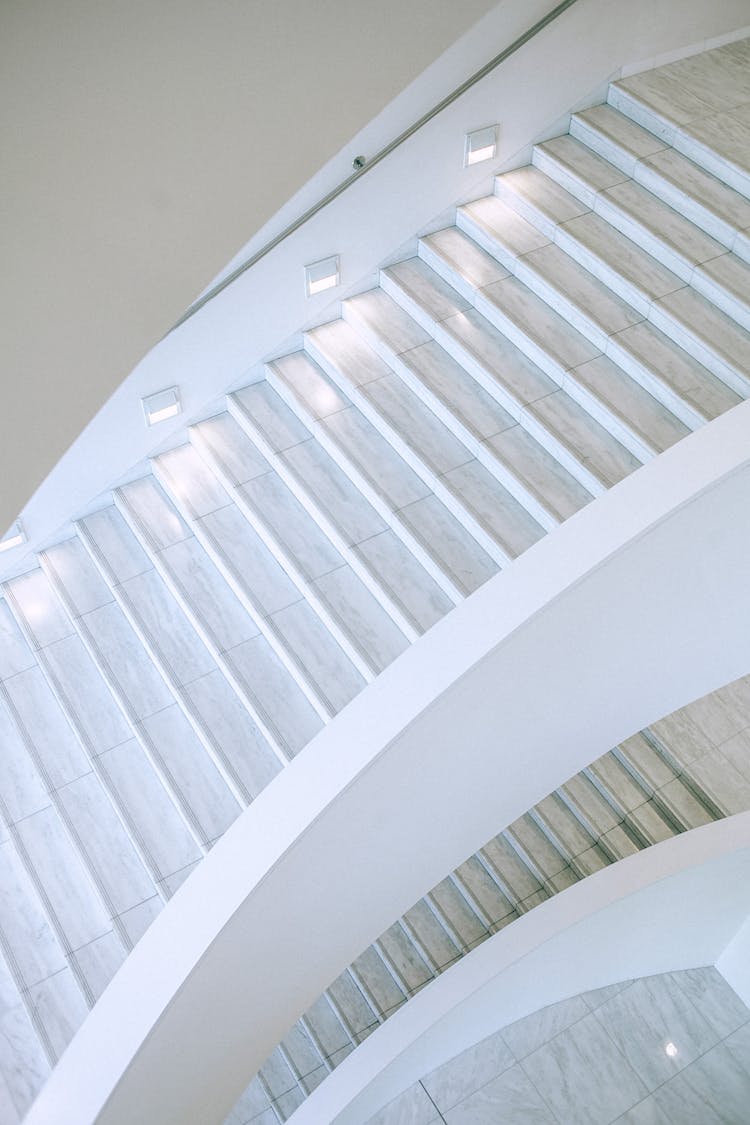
672, 1049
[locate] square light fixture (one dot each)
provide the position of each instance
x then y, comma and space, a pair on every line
161, 405
480, 145
321, 275
14, 537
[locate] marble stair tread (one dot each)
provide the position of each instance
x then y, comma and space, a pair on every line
403, 587
711, 336
701, 197
725, 282
629, 410
579, 175
414, 427
426, 527
592, 468
490, 221
281, 538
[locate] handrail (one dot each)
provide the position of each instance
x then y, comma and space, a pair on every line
373, 161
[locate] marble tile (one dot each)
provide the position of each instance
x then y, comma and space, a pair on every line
232, 449
650, 766
67, 885
98, 962
41, 717
556, 488
41, 610
659, 229
585, 302
454, 908
249, 561
278, 1074
23, 1064
158, 613
325, 484
470, 266
172, 884
590, 443
279, 426
537, 196
642, 1019
76, 577
459, 555
138, 919
378, 314
27, 933
413, 1107
505, 518
575, 167
722, 782
337, 344
646, 350
405, 578
304, 1056
328, 1029
366, 623
105, 843
351, 1003
719, 1004
22, 791
204, 588
15, 654
614, 137
372, 975
374, 457
484, 889
514, 872
720, 143
60, 1007
292, 526
629, 402
718, 80
665, 94
234, 731
425, 289
598, 996
279, 698
698, 192
325, 664
190, 481
433, 937
736, 750
148, 504
725, 280
128, 666
499, 230
616, 260
617, 781
581, 1077
715, 1090
447, 381
408, 964
310, 385
91, 706
122, 553
508, 374
527, 836
563, 824
510, 1098
413, 423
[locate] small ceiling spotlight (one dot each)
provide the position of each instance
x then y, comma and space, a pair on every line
14, 537
161, 405
480, 145
670, 1049
321, 275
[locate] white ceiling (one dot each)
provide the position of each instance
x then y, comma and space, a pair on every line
142, 144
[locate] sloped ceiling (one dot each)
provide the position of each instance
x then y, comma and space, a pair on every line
143, 142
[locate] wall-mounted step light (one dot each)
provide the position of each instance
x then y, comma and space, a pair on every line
13, 537
161, 405
480, 145
321, 275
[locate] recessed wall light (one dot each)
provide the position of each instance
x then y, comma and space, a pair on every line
670, 1049
13, 537
480, 145
321, 275
161, 405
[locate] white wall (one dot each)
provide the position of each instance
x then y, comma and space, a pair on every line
138, 172
632, 608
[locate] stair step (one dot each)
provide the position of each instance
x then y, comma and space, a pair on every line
721, 212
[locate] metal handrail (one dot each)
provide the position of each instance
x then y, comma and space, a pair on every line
373, 161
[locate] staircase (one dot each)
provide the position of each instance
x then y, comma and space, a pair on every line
160, 667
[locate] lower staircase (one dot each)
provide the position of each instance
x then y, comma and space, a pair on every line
161, 666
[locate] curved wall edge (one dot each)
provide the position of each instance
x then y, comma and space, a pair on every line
219, 347
633, 919
634, 607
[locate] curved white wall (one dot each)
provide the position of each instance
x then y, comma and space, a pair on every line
138, 159
632, 608
676, 905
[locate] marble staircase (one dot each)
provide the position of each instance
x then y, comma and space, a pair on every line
161, 666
